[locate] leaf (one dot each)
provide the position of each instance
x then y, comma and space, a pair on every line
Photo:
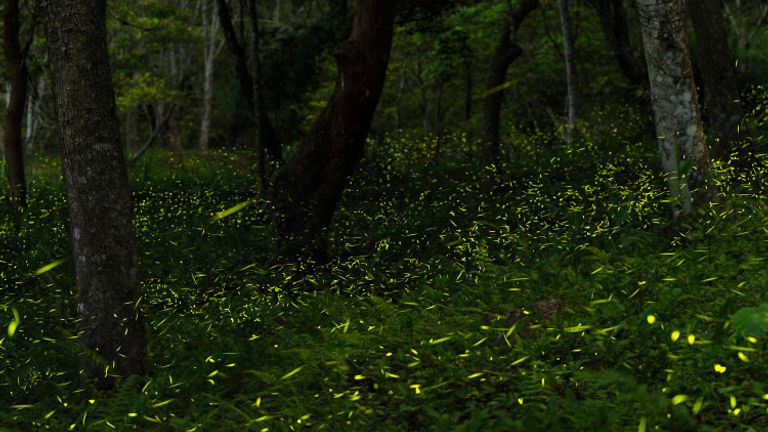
750, 321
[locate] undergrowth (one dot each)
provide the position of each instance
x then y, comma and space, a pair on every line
403, 330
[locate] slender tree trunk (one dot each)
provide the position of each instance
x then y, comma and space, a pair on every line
468, 90
210, 30
177, 150
277, 12
570, 69
17, 76
684, 154
33, 114
307, 188
506, 51
746, 31
6, 96
247, 82
613, 20
130, 128
399, 97
103, 241
718, 76
238, 51
268, 139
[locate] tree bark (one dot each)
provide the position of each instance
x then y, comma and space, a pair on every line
506, 51
719, 89
570, 69
35, 100
174, 134
103, 241
684, 154
271, 142
307, 188
210, 51
17, 76
613, 20
468, 90
130, 128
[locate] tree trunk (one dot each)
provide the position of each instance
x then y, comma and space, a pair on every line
467, 90
570, 69
307, 188
130, 128
17, 76
507, 50
268, 139
613, 20
683, 149
247, 83
33, 114
210, 45
103, 241
177, 150
719, 88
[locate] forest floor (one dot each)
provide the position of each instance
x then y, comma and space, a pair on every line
407, 328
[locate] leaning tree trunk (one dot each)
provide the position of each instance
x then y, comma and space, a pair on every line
103, 241
570, 69
683, 149
506, 51
718, 76
17, 76
307, 188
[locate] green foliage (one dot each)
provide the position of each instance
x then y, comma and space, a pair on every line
401, 331
751, 321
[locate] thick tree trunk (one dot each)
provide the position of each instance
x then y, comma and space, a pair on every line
684, 154
720, 92
570, 69
307, 188
613, 20
507, 50
103, 241
17, 76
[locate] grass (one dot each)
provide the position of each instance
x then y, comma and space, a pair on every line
401, 331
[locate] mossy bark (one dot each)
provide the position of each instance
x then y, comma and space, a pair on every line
679, 131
